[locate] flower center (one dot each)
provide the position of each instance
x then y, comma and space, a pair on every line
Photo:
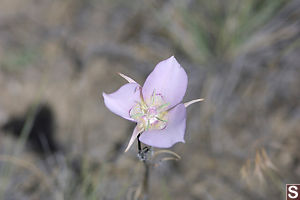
151, 113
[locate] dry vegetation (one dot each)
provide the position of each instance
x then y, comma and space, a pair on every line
241, 56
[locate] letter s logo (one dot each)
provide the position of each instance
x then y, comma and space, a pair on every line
293, 189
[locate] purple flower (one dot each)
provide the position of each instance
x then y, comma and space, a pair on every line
156, 107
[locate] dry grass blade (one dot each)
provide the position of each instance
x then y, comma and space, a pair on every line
138, 193
258, 168
27, 165
245, 172
267, 161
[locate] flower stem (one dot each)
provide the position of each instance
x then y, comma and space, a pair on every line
139, 144
145, 187
145, 181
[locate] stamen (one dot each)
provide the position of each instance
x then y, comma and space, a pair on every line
161, 119
148, 125
137, 115
141, 95
162, 106
153, 96
150, 114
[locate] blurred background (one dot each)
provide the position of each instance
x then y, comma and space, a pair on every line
59, 141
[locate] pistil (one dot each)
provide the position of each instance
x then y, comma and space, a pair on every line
150, 115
